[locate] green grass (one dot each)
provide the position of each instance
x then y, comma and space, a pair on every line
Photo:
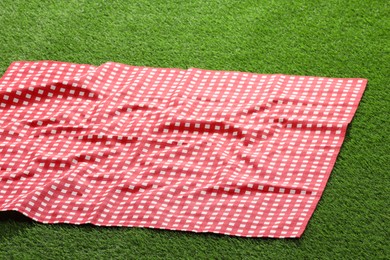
306, 37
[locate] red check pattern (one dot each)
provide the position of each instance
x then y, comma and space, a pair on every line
205, 151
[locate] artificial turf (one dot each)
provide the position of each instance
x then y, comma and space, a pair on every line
320, 38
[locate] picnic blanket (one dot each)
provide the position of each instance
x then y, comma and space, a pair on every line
234, 153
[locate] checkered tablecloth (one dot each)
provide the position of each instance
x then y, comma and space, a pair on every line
206, 151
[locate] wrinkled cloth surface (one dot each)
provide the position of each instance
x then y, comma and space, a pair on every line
206, 151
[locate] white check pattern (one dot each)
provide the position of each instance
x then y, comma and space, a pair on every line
206, 151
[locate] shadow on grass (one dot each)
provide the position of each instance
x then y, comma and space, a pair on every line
13, 223
14, 216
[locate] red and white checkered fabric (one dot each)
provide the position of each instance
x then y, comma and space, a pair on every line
205, 151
